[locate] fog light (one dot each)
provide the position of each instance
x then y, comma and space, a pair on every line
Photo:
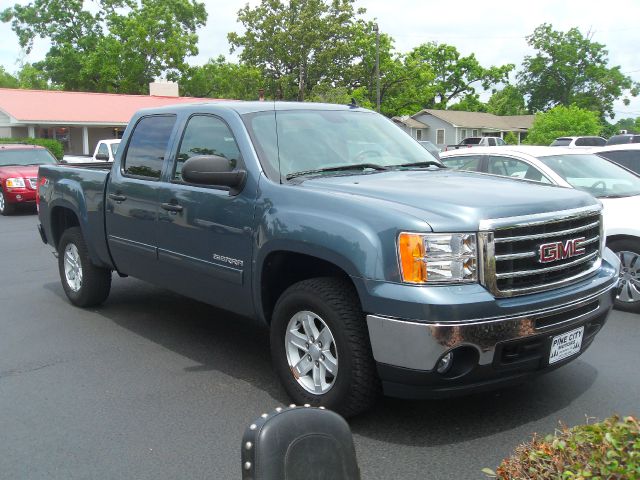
445, 363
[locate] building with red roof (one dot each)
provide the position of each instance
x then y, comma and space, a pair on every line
78, 119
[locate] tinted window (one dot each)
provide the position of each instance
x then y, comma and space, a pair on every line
471, 141
147, 147
590, 142
103, 150
466, 162
561, 142
500, 142
28, 156
626, 158
511, 167
594, 174
492, 142
206, 135
625, 138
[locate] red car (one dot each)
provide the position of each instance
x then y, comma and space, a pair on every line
19, 174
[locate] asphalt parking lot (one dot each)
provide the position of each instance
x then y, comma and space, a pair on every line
154, 385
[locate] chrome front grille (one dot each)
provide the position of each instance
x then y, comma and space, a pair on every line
510, 250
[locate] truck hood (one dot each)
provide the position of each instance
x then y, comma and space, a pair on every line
451, 200
27, 171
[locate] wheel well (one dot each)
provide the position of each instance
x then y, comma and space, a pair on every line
282, 269
61, 219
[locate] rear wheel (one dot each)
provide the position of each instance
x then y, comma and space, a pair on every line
320, 346
628, 251
6, 208
84, 284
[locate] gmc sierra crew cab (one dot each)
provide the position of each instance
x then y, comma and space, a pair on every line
375, 267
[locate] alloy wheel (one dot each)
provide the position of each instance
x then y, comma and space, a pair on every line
72, 267
629, 288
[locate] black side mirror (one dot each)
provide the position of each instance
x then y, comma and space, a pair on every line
212, 170
102, 157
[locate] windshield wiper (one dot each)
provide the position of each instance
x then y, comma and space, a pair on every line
428, 163
341, 168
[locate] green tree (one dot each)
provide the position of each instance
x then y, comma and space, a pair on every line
511, 138
631, 125
470, 103
508, 101
7, 80
33, 77
119, 46
454, 77
569, 68
221, 79
562, 121
299, 43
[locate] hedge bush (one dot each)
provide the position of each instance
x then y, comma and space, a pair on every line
54, 146
604, 450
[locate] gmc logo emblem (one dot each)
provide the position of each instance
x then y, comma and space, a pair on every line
552, 252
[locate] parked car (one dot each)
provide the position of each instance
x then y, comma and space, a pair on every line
105, 151
623, 138
371, 265
617, 188
627, 155
430, 147
477, 142
19, 174
578, 142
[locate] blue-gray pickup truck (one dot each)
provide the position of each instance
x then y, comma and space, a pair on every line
376, 268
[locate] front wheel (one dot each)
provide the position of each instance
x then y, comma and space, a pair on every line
628, 251
6, 208
320, 346
85, 284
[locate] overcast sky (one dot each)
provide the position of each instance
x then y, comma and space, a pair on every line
495, 31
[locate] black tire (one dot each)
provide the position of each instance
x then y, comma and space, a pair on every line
96, 282
6, 208
356, 386
633, 246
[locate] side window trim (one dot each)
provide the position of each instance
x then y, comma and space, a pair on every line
125, 153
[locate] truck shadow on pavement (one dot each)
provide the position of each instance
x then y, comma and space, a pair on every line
219, 341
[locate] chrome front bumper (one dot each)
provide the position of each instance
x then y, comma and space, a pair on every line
418, 345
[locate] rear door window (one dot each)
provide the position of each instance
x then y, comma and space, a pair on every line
626, 158
467, 162
148, 145
514, 168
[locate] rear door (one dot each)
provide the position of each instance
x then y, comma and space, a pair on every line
132, 197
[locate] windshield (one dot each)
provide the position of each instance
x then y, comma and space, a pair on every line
594, 174
295, 141
28, 156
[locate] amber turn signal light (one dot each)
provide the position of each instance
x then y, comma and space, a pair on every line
411, 253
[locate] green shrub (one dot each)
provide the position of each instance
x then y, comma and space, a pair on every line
604, 450
562, 121
511, 138
54, 146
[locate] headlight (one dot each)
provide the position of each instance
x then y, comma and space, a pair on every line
438, 257
15, 182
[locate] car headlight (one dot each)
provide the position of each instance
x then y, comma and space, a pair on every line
438, 257
14, 182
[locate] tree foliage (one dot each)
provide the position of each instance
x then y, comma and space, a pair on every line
120, 46
219, 78
508, 101
470, 103
297, 44
7, 80
569, 68
454, 77
562, 121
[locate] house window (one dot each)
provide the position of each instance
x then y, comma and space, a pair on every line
475, 133
463, 134
418, 134
440, 136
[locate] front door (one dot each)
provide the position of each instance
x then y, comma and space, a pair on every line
204, 232
132, 198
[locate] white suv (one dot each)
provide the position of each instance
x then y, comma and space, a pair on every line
578, 142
